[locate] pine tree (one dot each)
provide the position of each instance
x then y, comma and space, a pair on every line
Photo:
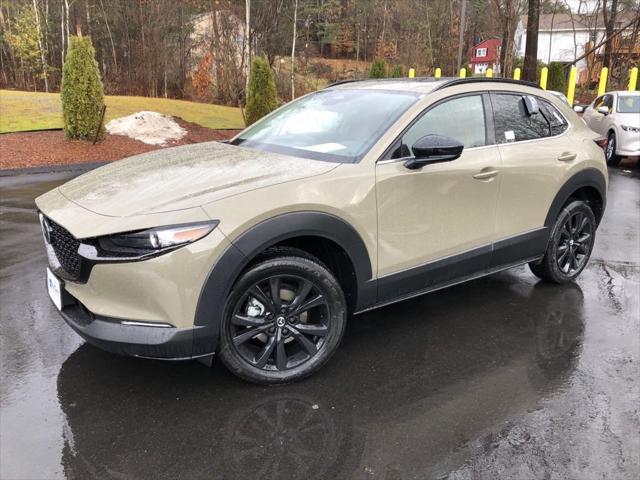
261, 94
378, 69
82, 92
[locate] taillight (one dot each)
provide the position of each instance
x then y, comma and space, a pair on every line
601, 142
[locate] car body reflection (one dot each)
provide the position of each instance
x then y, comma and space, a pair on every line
410, 386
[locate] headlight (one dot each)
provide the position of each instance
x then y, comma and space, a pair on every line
142, 244
628, 128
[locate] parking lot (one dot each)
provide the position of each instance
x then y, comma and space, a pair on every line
502, 377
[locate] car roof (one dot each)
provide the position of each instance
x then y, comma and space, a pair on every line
424, 84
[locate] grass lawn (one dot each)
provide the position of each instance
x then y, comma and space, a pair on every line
21, 111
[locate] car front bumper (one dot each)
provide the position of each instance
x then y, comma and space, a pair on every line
132, 338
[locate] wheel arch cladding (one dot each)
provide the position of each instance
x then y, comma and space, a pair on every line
588, 185
256, 240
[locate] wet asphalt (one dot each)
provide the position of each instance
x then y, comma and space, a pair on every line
502, 377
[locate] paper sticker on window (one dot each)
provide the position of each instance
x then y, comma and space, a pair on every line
509, 136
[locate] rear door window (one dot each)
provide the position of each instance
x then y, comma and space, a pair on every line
513, 123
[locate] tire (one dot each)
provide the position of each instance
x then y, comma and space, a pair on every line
283, 320
610, 152
570, 244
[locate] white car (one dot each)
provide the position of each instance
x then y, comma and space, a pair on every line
616, 115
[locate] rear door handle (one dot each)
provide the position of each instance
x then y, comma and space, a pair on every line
486, 174
567, 156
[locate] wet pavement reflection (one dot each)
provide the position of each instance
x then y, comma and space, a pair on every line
502, 377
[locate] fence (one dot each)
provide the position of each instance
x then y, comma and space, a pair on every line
544, 75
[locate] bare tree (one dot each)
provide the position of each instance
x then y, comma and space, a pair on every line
293, 52
531, 49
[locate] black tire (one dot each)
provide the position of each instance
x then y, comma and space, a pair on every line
610, 152
283, 320
570, 244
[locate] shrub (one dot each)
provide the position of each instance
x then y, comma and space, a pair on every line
378, 69
397, 71
82, 92
261, 94
556, 80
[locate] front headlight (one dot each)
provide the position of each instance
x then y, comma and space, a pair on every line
628, 128
143, 244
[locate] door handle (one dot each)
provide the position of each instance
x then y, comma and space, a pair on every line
567, 156
486, 174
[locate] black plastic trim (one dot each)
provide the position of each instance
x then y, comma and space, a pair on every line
473, 263
161, 342
236, 257
526, 245
589, 177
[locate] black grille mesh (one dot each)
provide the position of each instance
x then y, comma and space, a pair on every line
66, 249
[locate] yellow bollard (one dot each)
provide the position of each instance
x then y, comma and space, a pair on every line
544, 74
571, 89
438, 73
602, 84
412, 72
633, 79
489, 73
516, 74
463, 72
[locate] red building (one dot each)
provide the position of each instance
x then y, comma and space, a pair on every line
485, 55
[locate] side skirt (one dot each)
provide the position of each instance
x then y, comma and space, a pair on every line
470, 265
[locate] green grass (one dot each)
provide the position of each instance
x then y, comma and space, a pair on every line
21, 111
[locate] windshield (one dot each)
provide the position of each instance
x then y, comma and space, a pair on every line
338, 125
629, 103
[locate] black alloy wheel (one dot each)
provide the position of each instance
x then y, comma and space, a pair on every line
284, 319
570, 244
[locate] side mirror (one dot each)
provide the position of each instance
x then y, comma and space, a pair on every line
433, 149
603, 110
578, 109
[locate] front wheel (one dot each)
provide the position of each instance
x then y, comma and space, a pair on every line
610, 152
283, 320
570, 244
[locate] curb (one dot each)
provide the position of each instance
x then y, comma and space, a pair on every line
76, 167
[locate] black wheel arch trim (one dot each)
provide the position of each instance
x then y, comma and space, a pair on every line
238, 255
590, 177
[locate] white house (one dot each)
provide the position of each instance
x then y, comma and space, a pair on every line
563, 37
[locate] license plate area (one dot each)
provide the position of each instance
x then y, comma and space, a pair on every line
55, 288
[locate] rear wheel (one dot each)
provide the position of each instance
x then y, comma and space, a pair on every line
610, 151
284, 319
570, 244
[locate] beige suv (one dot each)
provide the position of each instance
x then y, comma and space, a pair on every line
350, 198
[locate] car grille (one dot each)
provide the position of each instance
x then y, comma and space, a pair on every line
65, 246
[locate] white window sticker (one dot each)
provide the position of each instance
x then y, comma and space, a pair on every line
509, 136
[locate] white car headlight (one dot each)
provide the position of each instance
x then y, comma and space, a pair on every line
628, 128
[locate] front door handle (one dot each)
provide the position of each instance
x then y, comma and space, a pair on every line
486, 174
567, 156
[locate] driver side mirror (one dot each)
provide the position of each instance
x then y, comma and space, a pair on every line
433, 149
603, 110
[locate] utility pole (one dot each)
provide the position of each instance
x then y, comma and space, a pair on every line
463, 14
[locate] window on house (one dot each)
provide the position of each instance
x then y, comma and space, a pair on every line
481, 52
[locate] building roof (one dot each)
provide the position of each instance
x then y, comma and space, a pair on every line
568, 21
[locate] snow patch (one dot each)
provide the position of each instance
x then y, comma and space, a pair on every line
152, 128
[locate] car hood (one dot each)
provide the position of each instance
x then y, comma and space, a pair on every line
184, 177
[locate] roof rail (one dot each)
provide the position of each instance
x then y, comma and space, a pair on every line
462, 81
391, 80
